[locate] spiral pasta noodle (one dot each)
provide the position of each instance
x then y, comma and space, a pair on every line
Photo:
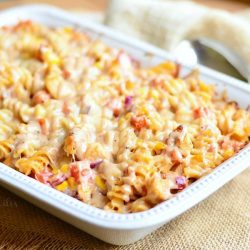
89, 121
6, 147
36, 163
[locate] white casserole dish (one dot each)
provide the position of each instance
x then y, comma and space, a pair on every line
121, 229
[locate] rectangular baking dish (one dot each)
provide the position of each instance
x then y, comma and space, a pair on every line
121, 229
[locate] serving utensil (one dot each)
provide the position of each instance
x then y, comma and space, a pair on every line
208, 53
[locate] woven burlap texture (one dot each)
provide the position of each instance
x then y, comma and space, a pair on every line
220, 222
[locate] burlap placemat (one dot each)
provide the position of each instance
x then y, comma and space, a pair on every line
220, 222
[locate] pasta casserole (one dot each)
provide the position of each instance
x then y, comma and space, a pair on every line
91, 122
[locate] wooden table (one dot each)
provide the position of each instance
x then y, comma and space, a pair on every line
100, 5
230, 5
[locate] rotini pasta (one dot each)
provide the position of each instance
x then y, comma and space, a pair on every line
89, 121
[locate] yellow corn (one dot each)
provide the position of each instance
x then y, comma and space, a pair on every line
206, 97
100, 183
98, 65
129, 85
205, 87
143, 156
128, 116
65, 168
159, 146
228, 153
140, 142
164, 67
51, 58
40, 111
197, 158
62, 186
68, 30
72, 183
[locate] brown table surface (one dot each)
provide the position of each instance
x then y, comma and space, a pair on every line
100, 5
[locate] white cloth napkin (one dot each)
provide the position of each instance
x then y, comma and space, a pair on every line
166, 23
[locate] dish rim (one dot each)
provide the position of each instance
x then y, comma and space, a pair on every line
166, 210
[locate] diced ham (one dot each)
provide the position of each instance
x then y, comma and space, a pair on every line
237, 146
66, 74
58, 180
40, 97
44, 126
116, 106
74, 171
44, 176
139, 122
201, 112
80, 169
211, 148
66, 108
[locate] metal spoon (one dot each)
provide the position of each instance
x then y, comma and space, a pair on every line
198, 51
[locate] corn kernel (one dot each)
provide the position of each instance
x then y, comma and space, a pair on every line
65, 168
205, 87
98, 65
228, 153
159, 146
205, 96
72, 183
143, 110
128, 116
139, 142
143, 170
100, 183
143, 157
197, 158
166, 67
51, 58
129, 85
66, 123
62, 186
68, 30
40, 111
